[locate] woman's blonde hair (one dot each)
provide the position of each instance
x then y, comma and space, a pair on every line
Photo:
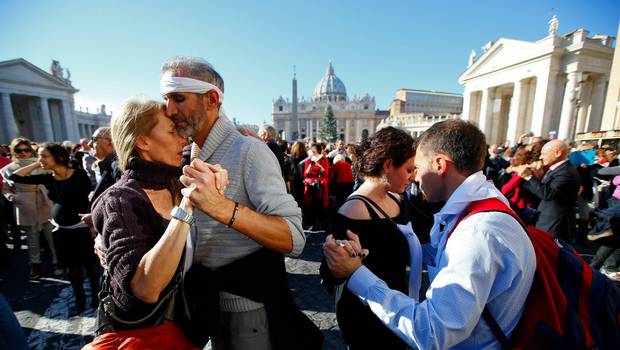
137, 118
20, 141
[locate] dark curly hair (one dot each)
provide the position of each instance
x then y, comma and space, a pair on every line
388, 143
58, 152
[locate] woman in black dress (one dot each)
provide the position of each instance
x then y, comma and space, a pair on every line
379, 216
68, 189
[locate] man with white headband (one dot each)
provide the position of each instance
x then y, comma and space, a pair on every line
240, 236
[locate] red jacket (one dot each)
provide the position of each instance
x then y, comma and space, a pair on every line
342, 173
521, 197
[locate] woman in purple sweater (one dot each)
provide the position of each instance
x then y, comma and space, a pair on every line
144, 222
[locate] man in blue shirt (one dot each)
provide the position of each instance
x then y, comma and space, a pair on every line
488, 261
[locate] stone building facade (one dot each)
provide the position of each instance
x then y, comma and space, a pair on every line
40, 105
611, 113
553, 86
416, 110
356, 118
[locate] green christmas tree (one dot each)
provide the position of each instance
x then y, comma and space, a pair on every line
328, 131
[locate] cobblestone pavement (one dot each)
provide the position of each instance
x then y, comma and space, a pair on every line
43, 307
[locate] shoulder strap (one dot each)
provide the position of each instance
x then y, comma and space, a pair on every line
372, 204
486, 205
394, 198
489, 205
495, 328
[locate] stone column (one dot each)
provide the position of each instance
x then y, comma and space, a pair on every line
8, 119
486, 110
71, 127
516, 110
566, 130
46, 121
598, 99
466, 103
543, 102
583, 113
347, 130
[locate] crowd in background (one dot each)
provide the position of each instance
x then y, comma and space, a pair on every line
320, 176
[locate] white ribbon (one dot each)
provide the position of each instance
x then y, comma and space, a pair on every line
169, 85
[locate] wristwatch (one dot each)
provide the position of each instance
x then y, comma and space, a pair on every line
180, 214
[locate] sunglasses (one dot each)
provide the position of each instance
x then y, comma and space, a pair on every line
23, 150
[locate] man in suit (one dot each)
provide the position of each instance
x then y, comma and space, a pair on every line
106, 167
556, 184
267, 133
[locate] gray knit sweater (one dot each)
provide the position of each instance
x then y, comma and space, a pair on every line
255, 181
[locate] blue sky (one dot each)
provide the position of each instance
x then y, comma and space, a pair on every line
114, 49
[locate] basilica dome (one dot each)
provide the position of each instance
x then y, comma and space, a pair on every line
330, 87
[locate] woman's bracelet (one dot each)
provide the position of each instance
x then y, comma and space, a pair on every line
234, 215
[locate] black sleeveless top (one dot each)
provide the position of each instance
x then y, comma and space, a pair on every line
388, 259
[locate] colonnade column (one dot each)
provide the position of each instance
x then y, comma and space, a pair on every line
8, 119
466, 105
543, 107
598, 99
583, 113
46, 121
486, 110
347, 130
566, 130
516, 110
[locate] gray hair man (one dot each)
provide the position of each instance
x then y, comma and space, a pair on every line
245, 232
267, 133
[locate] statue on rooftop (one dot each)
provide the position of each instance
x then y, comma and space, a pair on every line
472, 58
56, 69
553, 25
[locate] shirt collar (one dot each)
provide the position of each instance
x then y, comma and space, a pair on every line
218, 133
475, 187
557, 165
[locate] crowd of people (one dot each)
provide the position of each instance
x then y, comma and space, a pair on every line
188, 219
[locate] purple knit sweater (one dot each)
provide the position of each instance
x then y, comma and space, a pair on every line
130, 227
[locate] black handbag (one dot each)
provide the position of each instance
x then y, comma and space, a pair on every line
108, 319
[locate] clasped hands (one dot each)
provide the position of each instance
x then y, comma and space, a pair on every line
533, 169
204, 186
344, 256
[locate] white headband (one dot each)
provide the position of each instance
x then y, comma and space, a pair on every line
178, 84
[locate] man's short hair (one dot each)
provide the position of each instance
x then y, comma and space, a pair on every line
267, 129
460, 140
195, 68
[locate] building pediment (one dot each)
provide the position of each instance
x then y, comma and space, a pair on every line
504, 54
24, 73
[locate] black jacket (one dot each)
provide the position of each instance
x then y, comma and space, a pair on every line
557, 192
260, 276
110, 173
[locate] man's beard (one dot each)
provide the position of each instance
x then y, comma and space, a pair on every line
195, 121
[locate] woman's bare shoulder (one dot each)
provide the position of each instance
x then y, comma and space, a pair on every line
354, 209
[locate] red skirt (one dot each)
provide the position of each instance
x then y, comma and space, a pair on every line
164, 336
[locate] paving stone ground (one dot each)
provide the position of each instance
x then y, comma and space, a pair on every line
43, 307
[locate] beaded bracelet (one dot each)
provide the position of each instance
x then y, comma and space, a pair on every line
234, 215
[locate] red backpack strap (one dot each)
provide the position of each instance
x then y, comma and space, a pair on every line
486, 205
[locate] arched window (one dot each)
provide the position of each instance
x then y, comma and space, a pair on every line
364, 134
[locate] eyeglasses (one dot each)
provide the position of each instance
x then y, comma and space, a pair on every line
22, 150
